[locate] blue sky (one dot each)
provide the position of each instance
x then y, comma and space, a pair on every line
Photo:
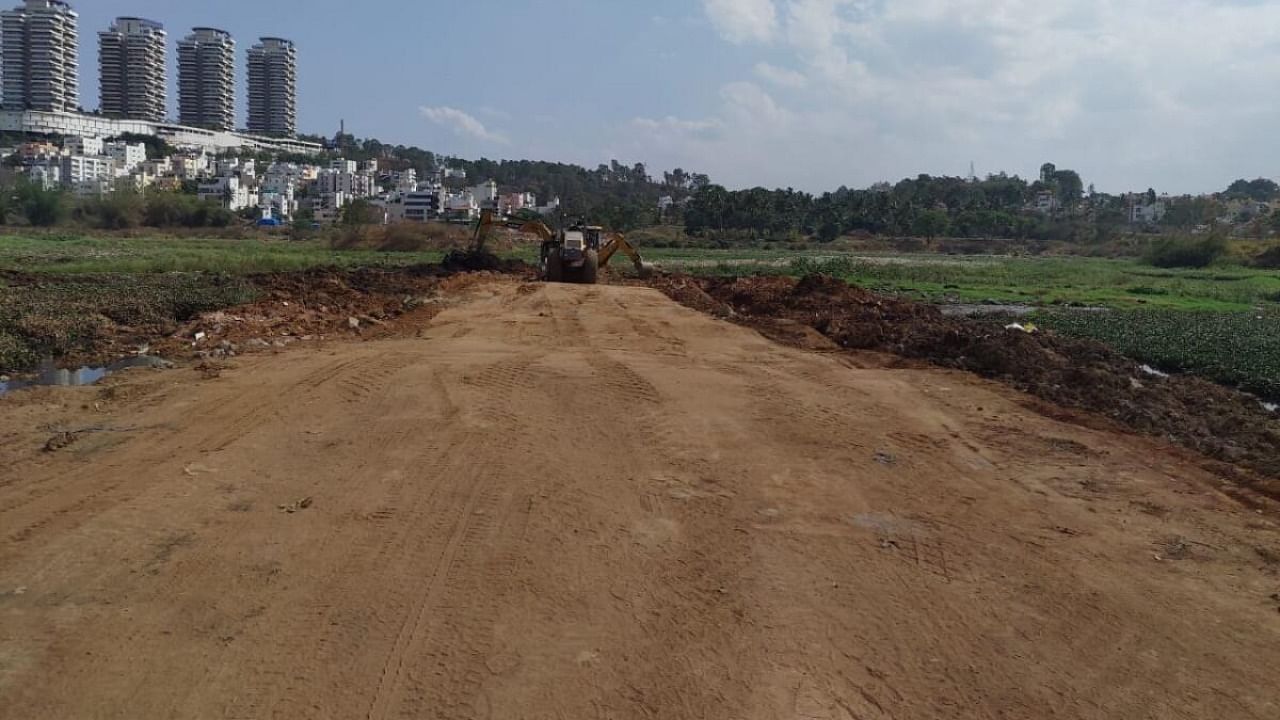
812, 94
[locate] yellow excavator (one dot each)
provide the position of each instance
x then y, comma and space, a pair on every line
573, 255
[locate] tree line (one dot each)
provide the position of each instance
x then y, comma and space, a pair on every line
1057, 206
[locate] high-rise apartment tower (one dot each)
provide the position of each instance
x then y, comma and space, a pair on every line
39, 57
207, 79
132, 67
273, 88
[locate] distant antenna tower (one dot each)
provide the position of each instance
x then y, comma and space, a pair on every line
973, 172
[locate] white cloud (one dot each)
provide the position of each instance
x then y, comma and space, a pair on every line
743, 21
1131, 94
782, 77
672, 124
462, 124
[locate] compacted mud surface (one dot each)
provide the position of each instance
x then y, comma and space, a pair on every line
1221, 423
590, 502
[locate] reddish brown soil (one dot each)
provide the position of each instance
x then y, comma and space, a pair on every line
1218, 422
567, 502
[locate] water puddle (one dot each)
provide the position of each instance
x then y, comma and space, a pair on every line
975, 311
49, 374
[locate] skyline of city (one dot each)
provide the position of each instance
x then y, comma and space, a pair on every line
40, 53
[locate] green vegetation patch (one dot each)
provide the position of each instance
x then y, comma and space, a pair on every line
59, 317
1240, 348
75, 254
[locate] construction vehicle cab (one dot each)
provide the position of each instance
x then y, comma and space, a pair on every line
573, 255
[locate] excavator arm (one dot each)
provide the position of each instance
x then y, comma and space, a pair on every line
617, 243
489, 219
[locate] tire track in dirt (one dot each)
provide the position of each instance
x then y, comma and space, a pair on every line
96, 497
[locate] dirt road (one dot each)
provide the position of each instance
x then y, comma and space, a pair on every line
564, 502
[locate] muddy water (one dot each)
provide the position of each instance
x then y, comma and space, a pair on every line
50, 374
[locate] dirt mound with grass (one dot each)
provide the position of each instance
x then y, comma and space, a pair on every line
86, 319
1221, 423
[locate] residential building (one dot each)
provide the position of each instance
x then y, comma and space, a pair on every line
273, 88
461, 206
47, 175
1143, 213
131, 65
206, 79
39, 60
80, 145
550, 208
127, 156
1045, 203
37, 149
352, 184
87, 174
421, 205
190, 167
344, 166
278, 205
327, 207
229, 191
513, 203
486, 195
405, 181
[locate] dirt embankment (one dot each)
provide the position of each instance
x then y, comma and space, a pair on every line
1221, 423
88, 319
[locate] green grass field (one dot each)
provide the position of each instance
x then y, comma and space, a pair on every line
1223, 322
1040, 281
74, 254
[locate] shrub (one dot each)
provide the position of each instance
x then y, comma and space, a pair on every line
41, 207
119, 210
1185, 252
1269, 259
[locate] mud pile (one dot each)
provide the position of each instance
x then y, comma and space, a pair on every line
1219, 422
93, 319
316, 305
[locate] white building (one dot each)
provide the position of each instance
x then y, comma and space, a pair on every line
78, 145
46, 174
1144, 214
344, 166
420, 205
461, 206
77, 169
486, 194
126, 156
190, 167
32, 122
513, 203
406, 181
356, 185
550, 208
278, 205
227, 191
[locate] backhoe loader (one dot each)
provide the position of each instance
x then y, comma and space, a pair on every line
573, 255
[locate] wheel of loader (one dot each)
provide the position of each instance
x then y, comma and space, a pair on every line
590, 268
554, 271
